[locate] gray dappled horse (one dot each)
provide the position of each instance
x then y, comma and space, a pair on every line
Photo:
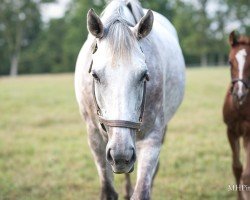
131, 60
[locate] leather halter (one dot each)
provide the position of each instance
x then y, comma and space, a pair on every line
245, 82
118, 123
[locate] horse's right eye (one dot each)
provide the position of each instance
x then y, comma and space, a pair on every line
95, 76
145, 76
230, 62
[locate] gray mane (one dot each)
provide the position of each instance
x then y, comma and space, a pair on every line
117, 25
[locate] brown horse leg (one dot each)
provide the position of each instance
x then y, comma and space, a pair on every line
128, 187
246, 172
236, 166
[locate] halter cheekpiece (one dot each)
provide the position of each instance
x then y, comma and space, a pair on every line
118, 123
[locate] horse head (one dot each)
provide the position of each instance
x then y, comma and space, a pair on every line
239, 59
119, 73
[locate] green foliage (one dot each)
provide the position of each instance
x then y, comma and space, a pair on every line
58, 44
189, 38
54, 46
46, 51
162, 6
240, 10
20, 23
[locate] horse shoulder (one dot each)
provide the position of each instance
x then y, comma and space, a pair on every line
172, 64
229, 110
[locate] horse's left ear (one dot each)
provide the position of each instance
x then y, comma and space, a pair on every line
95, 25
233, 40
143, 28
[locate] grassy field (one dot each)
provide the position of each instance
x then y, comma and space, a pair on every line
44, 153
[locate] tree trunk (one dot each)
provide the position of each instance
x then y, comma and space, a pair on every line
14, 65
204, 60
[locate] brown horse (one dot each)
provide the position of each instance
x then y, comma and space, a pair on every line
236, 110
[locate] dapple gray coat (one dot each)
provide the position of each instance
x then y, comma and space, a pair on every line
129, 47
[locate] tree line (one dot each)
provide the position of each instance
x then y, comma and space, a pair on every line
29, 45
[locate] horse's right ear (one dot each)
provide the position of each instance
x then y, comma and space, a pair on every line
233, 40
145, 25
95, 25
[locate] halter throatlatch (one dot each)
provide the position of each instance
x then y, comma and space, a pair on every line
118, 123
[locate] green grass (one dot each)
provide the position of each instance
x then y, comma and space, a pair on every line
44, 152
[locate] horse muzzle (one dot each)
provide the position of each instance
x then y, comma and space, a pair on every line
239, 90
121, 161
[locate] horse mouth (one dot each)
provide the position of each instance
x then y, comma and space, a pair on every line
121, 169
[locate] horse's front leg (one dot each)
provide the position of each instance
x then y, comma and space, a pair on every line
128, 187
149, 150
98, 148
245, 177
236, 165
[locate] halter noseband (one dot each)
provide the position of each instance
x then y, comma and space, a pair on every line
118, 123
245, 82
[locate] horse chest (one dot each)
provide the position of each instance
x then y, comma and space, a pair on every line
240, 122
242, 127
241, 117
234, 113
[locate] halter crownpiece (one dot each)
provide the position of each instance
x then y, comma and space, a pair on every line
118, 123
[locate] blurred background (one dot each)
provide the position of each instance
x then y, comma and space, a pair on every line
44, 153
45, 36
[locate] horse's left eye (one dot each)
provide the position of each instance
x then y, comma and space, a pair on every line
145, 76
95, 76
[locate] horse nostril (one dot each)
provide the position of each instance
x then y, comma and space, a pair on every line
117, 158
109, 157
133, 158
